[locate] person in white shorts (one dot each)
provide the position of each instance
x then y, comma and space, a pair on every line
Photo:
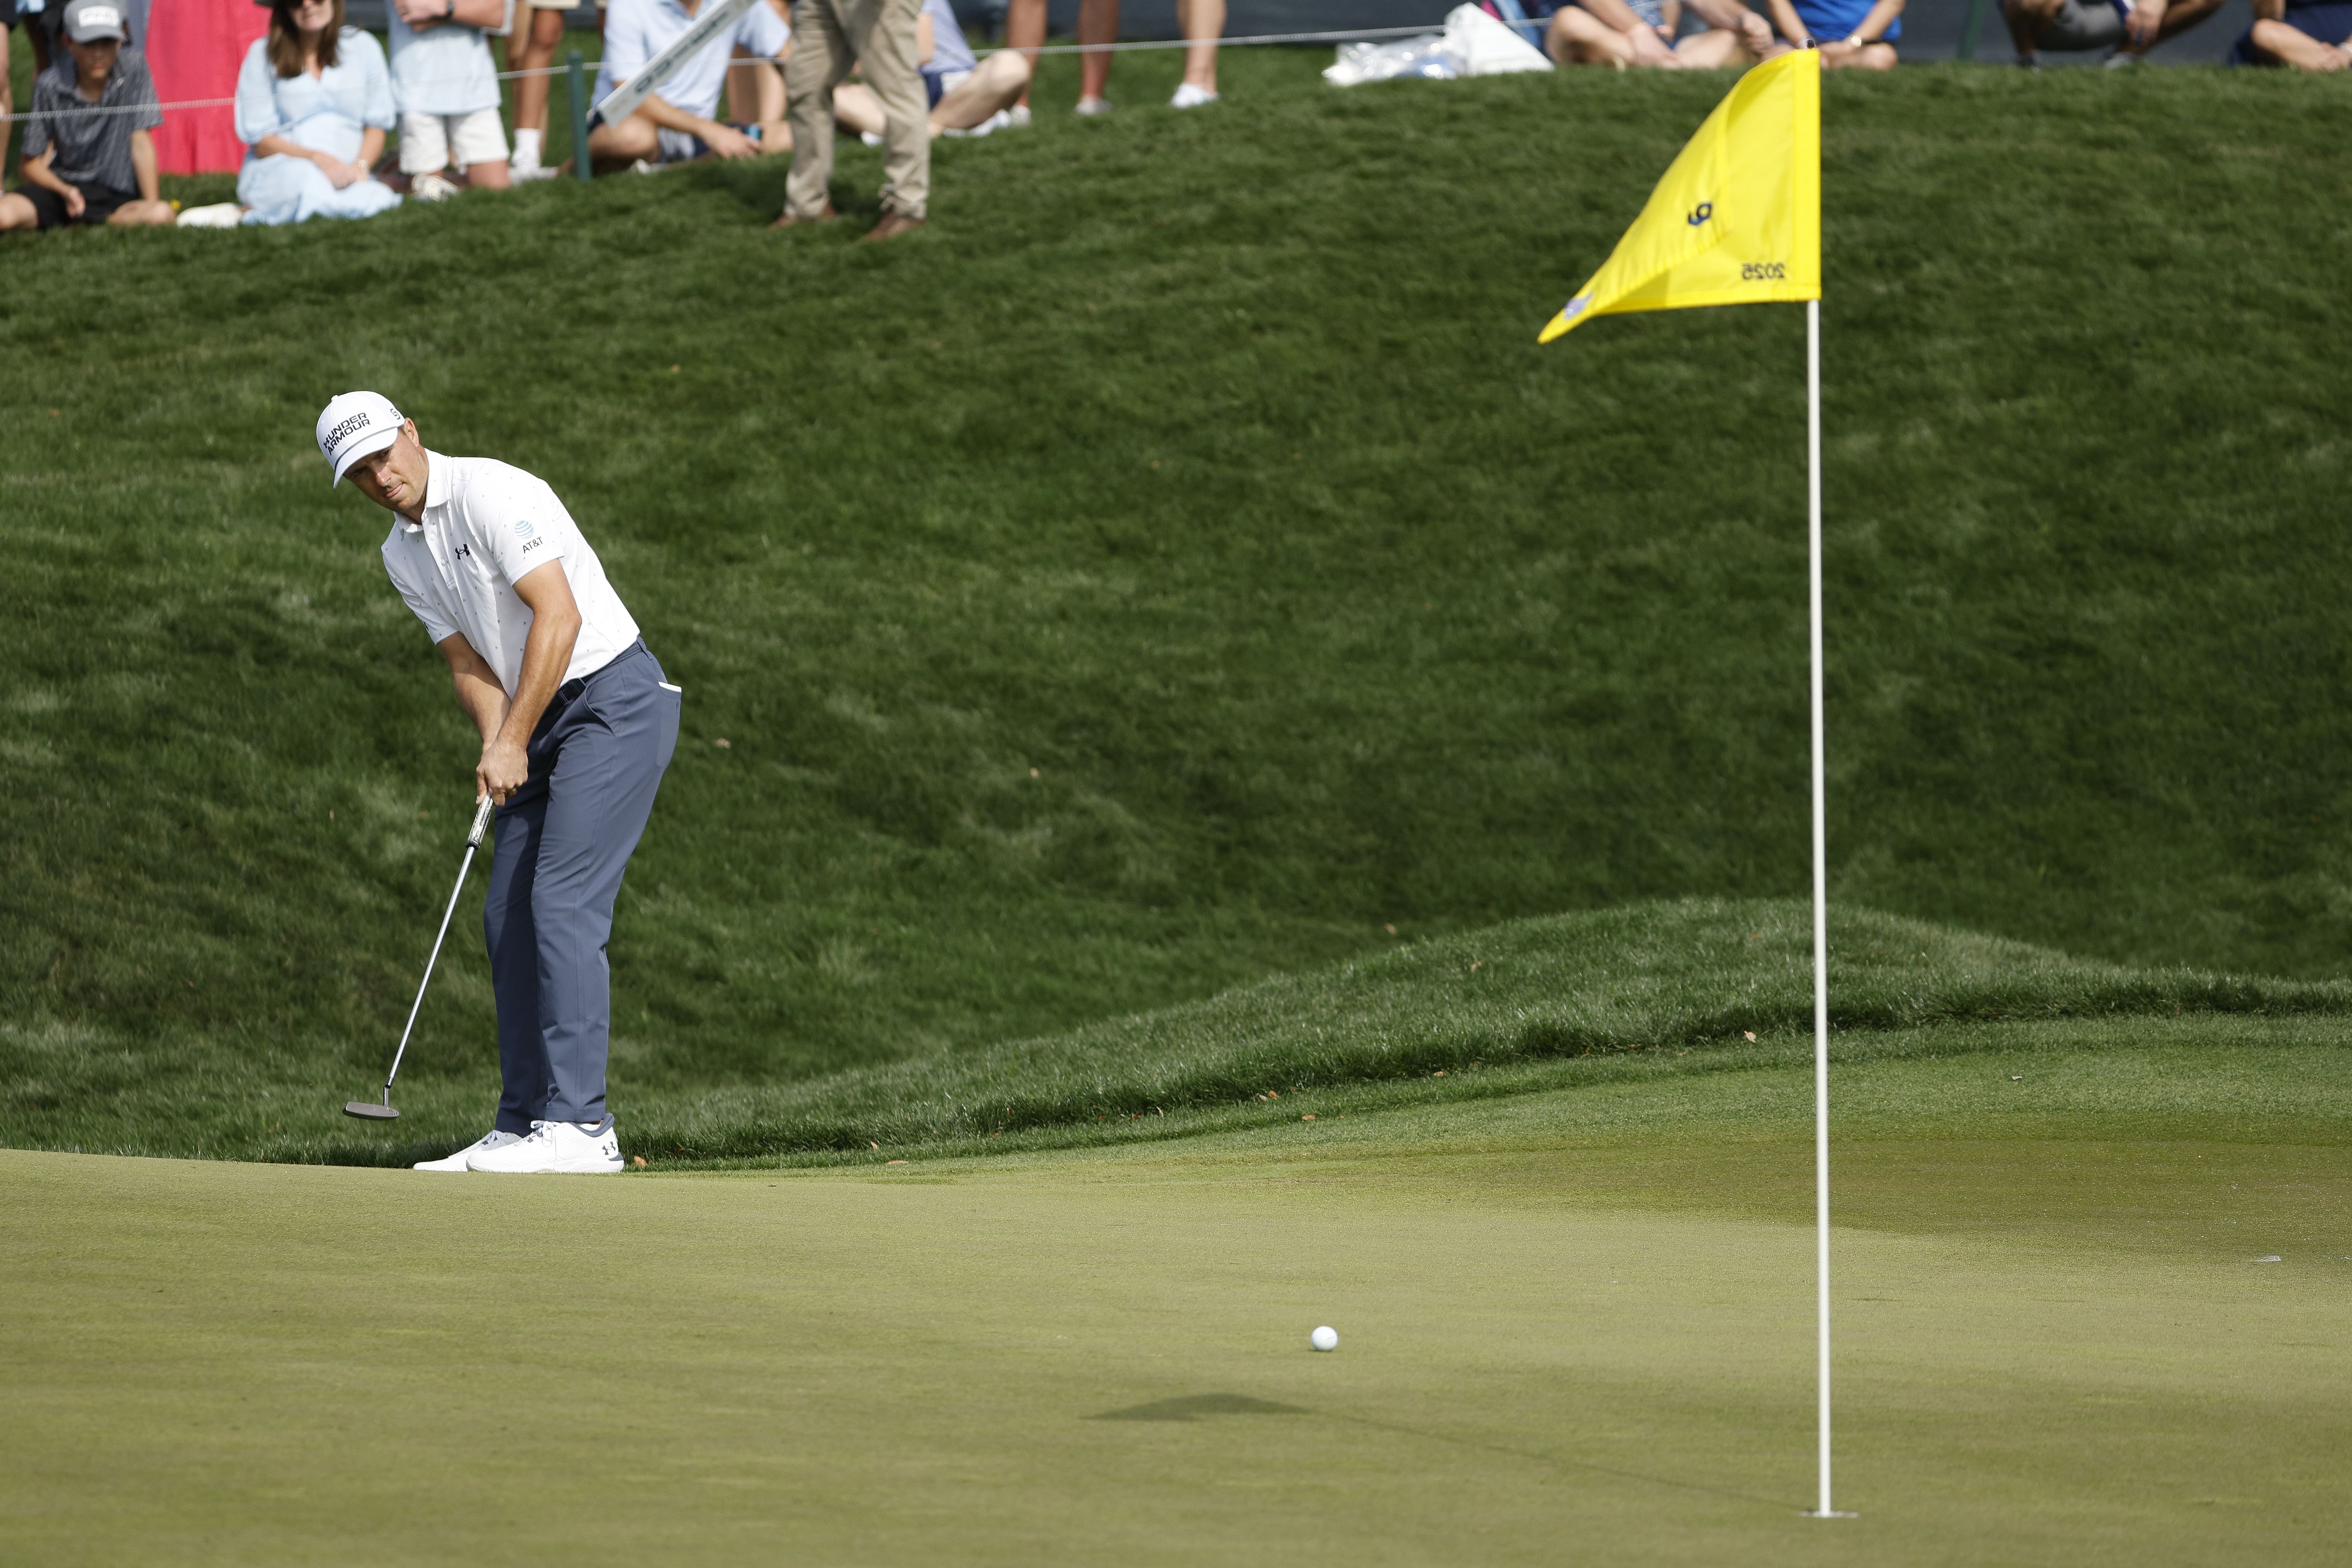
537, 31
447, 93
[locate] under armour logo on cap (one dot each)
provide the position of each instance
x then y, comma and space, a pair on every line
354, 425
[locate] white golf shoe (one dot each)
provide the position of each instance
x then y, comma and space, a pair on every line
493, 1139
563, 1147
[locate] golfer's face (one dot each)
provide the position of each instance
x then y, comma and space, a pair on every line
395, 478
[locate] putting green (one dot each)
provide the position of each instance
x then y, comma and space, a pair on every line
1576, 1327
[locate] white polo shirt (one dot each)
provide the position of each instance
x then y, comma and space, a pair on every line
485, 525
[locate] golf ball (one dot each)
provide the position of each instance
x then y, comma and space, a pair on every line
1325, 1338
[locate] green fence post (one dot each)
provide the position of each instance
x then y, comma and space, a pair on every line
579, 85
1969, 29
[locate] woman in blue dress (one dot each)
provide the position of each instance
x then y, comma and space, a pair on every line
313, 102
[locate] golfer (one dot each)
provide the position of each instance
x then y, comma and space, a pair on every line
577, 728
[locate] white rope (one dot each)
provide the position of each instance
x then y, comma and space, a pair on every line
1348, 35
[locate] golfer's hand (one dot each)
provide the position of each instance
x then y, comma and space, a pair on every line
501, 771
729, 143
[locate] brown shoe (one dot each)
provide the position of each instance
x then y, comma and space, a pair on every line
791, 218
894, 225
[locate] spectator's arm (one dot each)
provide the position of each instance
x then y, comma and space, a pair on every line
1735, 17
723, 140
338, 174
2270, 10
36, 170
1648, 44
8, 92
142, 166
422, 15
1792, 27
927, 38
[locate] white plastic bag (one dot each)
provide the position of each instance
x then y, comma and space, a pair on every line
1489, 48
1427, 54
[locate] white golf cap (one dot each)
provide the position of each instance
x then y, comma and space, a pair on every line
354, 425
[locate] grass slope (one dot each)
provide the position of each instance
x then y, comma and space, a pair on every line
1582, 1316
1606, 996
1178, 564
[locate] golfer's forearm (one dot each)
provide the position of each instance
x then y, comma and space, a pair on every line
545, 657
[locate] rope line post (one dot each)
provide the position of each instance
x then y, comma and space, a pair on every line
576, 84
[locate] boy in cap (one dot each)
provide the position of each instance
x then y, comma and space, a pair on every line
577, 725
87, 158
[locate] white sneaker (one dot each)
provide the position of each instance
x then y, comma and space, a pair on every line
562, 1147
1093, 106
1191, 97
1017, 117
493, 1139
523, 174
871, 138
996, 121
431, 187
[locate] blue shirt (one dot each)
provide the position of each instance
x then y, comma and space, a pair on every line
1834, 21
949, 52
638, 30
328, 114
443, 69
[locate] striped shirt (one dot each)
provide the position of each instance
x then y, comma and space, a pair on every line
92, 140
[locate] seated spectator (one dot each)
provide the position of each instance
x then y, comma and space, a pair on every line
2307, 37
675, 126
1850, 34
1629, 33
313, 102
447, 93
755, 86
87, 158
2126, 29
968, 95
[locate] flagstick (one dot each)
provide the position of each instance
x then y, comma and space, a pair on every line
1820, 894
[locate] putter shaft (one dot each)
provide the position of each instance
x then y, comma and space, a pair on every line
473, 842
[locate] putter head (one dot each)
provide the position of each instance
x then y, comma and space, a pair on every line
370, 1110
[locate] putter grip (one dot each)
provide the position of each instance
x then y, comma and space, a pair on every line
481, 822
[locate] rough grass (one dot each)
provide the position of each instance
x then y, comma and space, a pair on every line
1178, 565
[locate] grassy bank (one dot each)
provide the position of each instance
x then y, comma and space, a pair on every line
1614, 996
1177, 566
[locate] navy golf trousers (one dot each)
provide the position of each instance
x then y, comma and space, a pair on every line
564, 840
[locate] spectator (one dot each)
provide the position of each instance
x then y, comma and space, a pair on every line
447, 91
2307, 37
2126, 29
878, 37
1850, 34
313, 102
1203, 23
538, 30
41, 19
755, 88
1641, 33
966, 95
676, 124
87, 158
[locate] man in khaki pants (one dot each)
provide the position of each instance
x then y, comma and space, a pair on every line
878, 37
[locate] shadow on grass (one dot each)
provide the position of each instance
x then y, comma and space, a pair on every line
1193, 1406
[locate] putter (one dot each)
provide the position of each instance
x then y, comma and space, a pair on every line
368, 1110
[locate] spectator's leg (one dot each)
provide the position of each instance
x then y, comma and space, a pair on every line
1024, 29
755, 96
882, 35
142, 214
1578, 37
1097, 24
2295, 48
821, 58
612, 147
1869, 57
856, 110
2026, 18
2183, 14
1718, 48
1203, 23
1000, 83
424, 145
479, 145
17, 212
536, 34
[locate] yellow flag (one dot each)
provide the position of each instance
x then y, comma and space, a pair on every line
1738, 218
